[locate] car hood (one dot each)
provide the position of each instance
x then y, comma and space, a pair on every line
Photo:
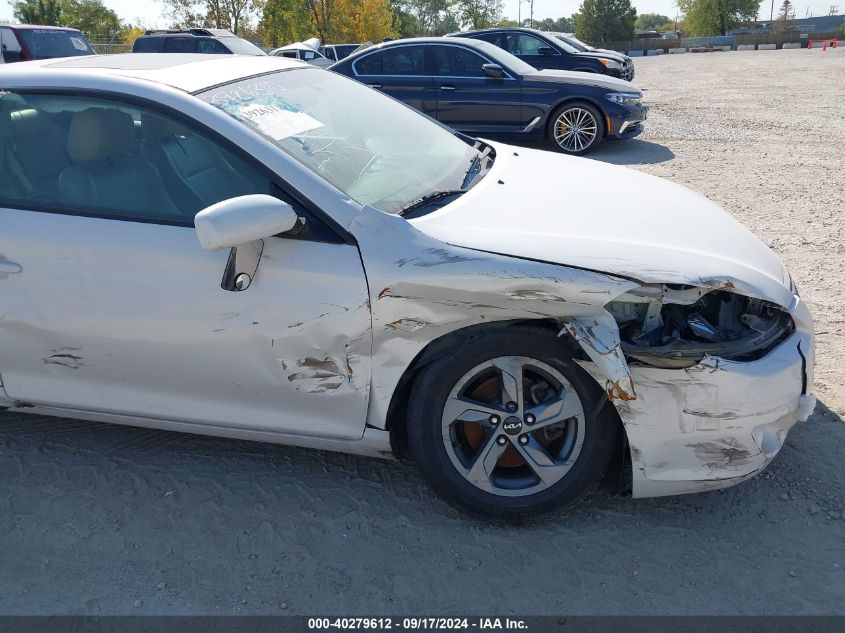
596, 53
615, 55
583, 79
583, 213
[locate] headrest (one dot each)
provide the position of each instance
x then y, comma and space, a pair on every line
98, 134
25, 123
158, 128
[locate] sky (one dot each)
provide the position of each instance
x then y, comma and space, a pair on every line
149, 12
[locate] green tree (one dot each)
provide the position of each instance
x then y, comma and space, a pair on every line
785, 14
285, 21
559, 25
716, 17
479, 14
604, 21
45, 12
93, 18
650, 21
219, 14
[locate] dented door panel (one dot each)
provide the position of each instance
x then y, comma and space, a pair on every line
129, 318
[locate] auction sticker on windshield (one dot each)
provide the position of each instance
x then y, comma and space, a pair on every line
276, 122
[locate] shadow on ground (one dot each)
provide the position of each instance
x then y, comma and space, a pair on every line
632, 152
102, 519
617, 152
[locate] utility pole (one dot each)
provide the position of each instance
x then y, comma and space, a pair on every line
772, 12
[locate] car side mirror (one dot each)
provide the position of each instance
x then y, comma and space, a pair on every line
241, 224
545, 51
493, 70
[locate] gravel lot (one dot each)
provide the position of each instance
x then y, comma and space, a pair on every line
99, 519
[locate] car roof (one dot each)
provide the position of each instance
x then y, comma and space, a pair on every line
514, 29
191, 72
32, 27
425, 40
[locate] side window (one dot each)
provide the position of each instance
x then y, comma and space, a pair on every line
146, 45
454, 61
211, 47
399, 60
181, 45
11, 48
522, 44
76, 154
496, 39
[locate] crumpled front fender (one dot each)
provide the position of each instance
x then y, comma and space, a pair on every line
598, 336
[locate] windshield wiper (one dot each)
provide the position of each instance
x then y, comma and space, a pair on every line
472, 170
429, 199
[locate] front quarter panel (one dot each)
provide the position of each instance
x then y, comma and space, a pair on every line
422, 288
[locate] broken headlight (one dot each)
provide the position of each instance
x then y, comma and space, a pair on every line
677, 326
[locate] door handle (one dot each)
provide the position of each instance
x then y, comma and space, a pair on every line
9, 268
376, 86
447, 87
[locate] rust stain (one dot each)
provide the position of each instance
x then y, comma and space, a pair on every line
384, 293
616, 391
407, 324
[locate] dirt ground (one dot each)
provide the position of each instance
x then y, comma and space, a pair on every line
100, 519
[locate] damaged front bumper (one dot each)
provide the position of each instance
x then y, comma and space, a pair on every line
717, 422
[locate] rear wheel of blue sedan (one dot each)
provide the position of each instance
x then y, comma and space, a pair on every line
576, 128
509, 426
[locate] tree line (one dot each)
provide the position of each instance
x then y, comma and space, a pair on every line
277, 22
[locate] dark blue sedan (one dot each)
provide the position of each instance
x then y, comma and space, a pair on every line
477, 88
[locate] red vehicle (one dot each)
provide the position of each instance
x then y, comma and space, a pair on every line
23, 42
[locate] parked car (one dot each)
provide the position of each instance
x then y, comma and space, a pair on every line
25, 42
252, 247
577, 44
206, 41
304, 52
545, 51
336, 52
475, 87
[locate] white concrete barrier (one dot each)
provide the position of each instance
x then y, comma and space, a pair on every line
746, 47
677, 51
793, 45
636, 53
654, 51
767, 47
725, 48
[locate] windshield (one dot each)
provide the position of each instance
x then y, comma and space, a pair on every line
573, 43
240, 46
49, 43
372, 148
503, 58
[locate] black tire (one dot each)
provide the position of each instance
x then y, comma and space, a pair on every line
433, 386
569, 109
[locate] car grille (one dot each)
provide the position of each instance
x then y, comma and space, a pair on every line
628, 71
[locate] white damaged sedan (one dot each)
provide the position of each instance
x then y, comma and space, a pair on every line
259, 249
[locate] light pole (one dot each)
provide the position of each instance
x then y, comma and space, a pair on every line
531, 2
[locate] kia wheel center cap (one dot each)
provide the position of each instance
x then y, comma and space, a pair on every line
512, 425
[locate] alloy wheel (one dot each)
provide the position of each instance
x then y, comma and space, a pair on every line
575, 129
513, 426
